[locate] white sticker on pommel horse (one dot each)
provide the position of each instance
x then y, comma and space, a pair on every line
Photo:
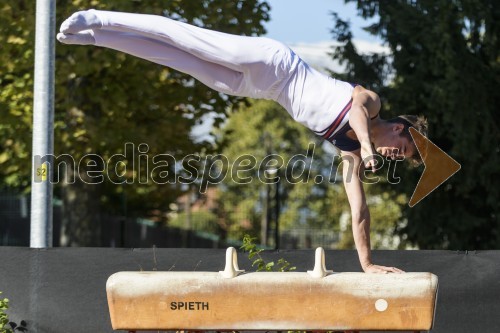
381, 305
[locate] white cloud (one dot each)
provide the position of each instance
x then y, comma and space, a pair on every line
317, 54
365, 47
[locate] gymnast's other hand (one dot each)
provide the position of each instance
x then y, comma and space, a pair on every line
371, 268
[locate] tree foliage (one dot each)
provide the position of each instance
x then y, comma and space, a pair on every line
105, 99
263, 134
444, 64
312, 195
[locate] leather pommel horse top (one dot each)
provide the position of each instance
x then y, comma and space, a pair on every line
232, 300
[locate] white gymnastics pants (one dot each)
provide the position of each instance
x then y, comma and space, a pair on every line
256, 67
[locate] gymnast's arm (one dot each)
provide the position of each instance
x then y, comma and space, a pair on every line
365, 105
359, 212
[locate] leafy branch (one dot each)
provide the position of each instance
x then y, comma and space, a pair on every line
4, 319
254, 255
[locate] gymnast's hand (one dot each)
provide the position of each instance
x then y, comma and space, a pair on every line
371, 268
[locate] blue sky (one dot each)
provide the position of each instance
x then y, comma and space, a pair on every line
305, 26
310, 21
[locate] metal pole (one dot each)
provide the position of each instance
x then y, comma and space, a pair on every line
277, 213
43, 125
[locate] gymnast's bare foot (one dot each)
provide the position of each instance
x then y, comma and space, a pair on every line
85, 37
80, 21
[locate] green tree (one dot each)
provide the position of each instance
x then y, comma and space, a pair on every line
444, 64
256, 131
105, 99
264, 128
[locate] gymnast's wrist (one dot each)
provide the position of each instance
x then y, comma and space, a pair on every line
365, 143
366, 265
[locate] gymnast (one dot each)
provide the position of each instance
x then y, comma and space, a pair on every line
345, 114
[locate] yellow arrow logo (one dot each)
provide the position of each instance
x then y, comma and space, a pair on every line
438, 167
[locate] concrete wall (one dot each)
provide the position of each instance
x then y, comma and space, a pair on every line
63, 289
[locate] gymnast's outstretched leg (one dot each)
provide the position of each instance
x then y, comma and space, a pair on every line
213, 75
264, 63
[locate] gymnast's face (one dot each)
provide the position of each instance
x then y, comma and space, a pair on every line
394, 145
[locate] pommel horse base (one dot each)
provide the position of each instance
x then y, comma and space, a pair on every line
318, 300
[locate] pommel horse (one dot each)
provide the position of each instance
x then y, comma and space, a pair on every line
317, 300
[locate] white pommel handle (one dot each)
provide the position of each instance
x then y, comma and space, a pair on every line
319, 270
232, 269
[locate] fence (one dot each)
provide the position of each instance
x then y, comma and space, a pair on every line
120, 231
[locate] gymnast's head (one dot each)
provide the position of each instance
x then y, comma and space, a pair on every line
397, 142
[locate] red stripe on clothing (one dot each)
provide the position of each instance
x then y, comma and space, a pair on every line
338, 120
